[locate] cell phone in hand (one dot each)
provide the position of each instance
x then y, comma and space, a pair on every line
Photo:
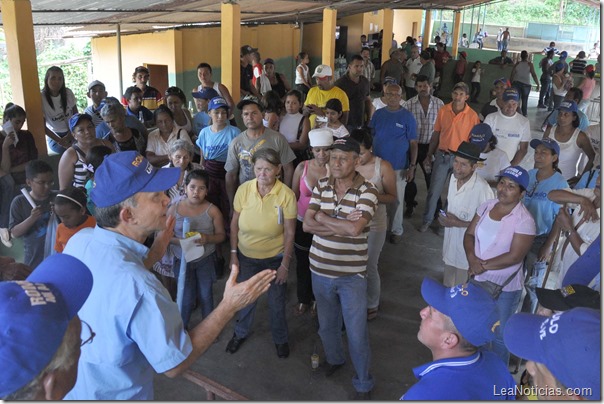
442, 212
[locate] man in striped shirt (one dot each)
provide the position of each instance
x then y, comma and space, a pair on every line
341, 207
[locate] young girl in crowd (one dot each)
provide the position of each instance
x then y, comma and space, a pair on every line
94, 158
70, 207
333, 113
295, 126
206, 219
302, 80
476, 71
273, 110
58, 105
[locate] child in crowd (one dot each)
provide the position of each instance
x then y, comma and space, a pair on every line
205, 219
333, 113
32, 223
274, 109
202, 99
94, 158
476, 71
135, 108
295, 126
302, 80
70, 208
96, 93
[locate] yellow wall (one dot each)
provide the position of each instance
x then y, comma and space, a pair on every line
311, 40
403, 23
374, 19
355, 30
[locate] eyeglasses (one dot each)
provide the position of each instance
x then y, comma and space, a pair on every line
91, 334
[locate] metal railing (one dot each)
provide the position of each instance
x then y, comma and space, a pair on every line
212, 388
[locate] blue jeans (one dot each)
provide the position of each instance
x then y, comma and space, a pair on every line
442, 166
345, 298
524, 90
535, 272
506, 306
199, 279
546, 87
54, 146
249, 267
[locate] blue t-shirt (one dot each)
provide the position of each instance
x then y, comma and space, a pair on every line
138, 327
147, 114
215, 145
481, 376
393, 132
200, 121
588, 179
543, 209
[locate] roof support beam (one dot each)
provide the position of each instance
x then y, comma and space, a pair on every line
456, 34
388, 27
427, 29
230, 47
328, 54
23, 66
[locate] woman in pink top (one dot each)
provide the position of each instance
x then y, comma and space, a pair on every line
587, 85
496, 242
305, 179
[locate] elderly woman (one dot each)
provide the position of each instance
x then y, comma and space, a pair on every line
18, 148
181, 156
176, 100
73, 167
157, 144
263, 200
306, 177
381, 174
122, 137
496, 242
572, 142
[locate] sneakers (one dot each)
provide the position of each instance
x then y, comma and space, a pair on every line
5, 237
396, 238
541, 106
424, 227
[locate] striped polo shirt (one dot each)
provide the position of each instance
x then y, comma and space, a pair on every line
336, 256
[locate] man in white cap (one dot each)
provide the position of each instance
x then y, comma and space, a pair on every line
324, 91
139, 327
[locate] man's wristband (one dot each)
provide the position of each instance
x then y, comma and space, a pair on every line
233, 251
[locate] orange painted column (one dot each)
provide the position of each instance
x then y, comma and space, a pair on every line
23, 66
427, 29
456, 34
328, 48
388, 27
230, 36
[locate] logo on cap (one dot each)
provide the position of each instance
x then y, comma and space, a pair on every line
137, 160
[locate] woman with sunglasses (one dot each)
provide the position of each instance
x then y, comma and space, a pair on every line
545, 177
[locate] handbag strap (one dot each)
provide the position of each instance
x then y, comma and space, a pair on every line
300, 126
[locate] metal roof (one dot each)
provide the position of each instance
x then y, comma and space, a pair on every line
92, 18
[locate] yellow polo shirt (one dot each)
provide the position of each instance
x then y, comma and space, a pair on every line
260, 233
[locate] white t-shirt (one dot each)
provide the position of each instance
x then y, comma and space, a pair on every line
496, 160
56, 119
289, 125
510, 131
157, 145
413, 67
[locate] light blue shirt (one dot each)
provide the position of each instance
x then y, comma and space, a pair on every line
543, 209
138, 327
215, 145
200, 121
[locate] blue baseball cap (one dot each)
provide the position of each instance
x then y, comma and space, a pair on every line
558, 66
76, 118
547, 142
569, 106
481, 134
206, 93
567, 343
503, 80
34, 316
217, 102
472, 310
126, 173
511, 94
563, 55
516, 173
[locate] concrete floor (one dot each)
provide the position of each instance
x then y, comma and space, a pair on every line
256, 372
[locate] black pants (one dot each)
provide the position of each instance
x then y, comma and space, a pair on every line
475, 92
411, 188
302, 245
410, 92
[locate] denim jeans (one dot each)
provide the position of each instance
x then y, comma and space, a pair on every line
546, 87
395, 209
302, 243
54, 146
345, 298
534, 275
7, 192
506, 306
375, 243
199, 279
524, 90
249, 267
442, 166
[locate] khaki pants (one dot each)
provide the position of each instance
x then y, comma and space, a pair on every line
454, 276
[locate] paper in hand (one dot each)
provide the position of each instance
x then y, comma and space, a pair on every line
192, 250
8, 128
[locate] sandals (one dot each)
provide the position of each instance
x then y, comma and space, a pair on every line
300, 309
313, 310
372, 314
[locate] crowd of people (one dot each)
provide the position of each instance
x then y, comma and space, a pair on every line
151, 197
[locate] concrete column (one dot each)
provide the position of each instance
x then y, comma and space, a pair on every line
23, 67
388, 24
456, 34
328, 46
230, 36
427, 29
